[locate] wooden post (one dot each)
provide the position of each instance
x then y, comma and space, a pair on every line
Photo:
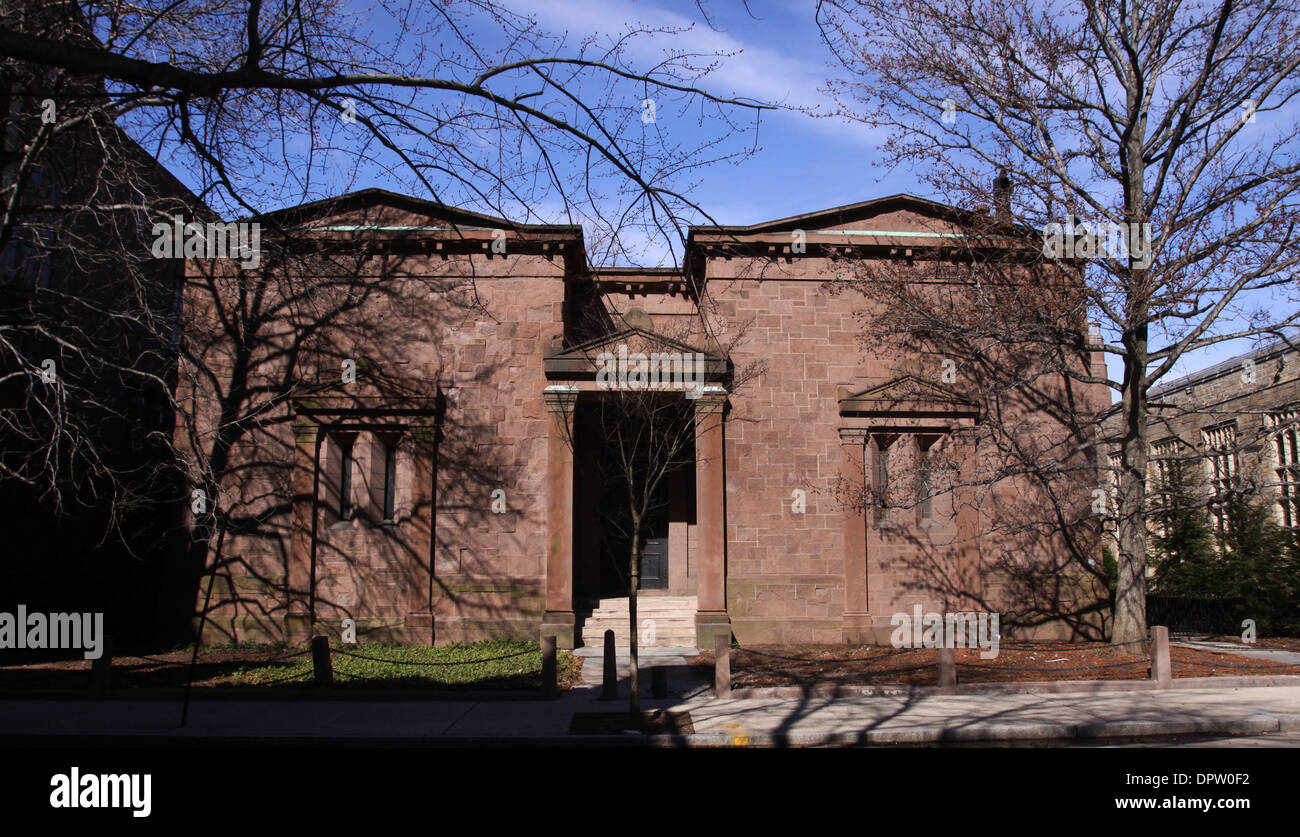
610, 689
1161, 669
659, 682
722, 667
947, 669
322, 671
550, 684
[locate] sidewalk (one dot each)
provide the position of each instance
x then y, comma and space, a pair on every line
1277, 655
882, 720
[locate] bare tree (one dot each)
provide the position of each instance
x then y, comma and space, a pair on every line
467, 103
262, 104
1153, 145
992, 333
647, 416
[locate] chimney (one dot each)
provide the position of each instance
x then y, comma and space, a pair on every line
1002, 196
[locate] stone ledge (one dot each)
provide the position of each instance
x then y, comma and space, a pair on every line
827, 578
515, 587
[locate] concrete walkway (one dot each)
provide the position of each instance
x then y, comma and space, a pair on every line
671, 657
910, 719
1277, 655
1002, 717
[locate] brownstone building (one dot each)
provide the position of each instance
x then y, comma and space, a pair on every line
1236, 423
424, 461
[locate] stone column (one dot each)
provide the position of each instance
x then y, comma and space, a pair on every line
559, 620
711, 618
298, 627
966, 497
422, 520
587, 496
856, 620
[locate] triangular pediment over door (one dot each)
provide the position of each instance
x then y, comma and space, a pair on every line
580, 363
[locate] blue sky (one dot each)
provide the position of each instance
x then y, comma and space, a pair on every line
775, 54
804, 163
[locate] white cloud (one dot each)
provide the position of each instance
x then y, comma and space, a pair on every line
757, 72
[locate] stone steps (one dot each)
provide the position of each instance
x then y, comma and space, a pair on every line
661, 618
661, 621
647, 603
649, 636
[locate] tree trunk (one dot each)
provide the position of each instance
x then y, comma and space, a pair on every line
1130, 588
634, 579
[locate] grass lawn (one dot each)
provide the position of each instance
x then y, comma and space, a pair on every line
490, 664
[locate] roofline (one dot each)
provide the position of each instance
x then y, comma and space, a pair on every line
666, 272
349, 200
900, 197
1276, 348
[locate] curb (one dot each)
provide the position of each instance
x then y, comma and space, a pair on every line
252, 693
1091, 731
1094, 731
1022, 687
696, 690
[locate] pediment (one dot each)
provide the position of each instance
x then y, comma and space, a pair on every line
900, 220
900, 212
907, 395
582, 361
379, 210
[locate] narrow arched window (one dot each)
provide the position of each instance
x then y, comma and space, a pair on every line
882, 473
390, 481
923, 487
346, 508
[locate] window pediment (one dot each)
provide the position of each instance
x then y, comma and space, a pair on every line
907, 395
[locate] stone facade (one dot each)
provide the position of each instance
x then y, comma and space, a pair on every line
474, 501
1236, 421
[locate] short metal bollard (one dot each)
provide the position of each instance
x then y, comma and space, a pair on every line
550, 684
321, 669
610, 688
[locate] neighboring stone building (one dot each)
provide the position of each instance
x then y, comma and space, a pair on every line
453, 491
1237, 422
89, 327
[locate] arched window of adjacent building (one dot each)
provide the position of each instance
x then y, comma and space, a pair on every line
1220, 443
1286, 463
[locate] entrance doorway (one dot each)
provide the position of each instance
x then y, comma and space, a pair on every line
602, 519
654, 561
615, 540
